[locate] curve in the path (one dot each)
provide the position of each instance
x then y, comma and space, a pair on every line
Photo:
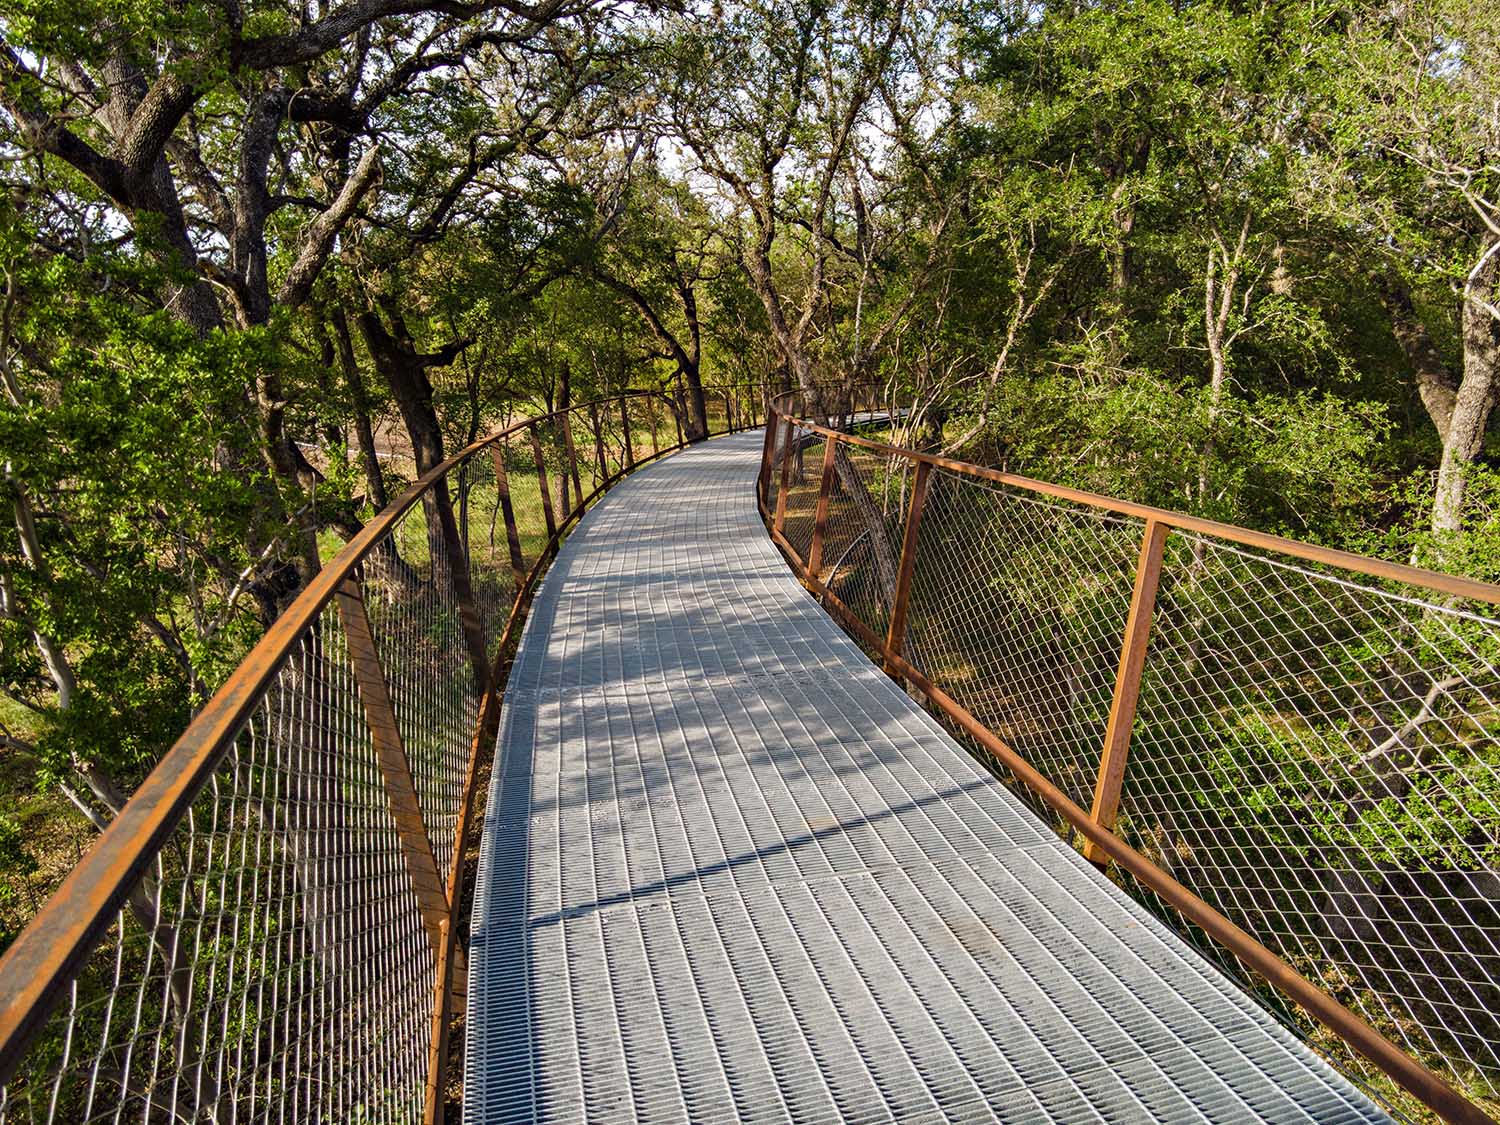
730, 872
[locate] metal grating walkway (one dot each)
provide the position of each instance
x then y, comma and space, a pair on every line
731, 872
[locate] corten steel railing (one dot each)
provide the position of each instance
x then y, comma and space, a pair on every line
271, 929
1289, 751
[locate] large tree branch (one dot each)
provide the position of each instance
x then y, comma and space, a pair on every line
155, 120
41, 131
649, 314
1436, 383
334, 109
188, 159
421, 61
252, 204
266, 52
444, 355
317, 243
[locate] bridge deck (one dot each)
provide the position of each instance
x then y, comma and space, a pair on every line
731, 872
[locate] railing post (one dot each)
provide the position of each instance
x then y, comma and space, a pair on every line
768, 450
1127, 686
625, 422
541, 480
395, 767
680, 401
786, 475
567, 430
895, 636
437, 1052
598, 444
820, 515
508, 513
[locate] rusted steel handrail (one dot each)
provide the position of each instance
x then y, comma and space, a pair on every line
42, 965
71, 921
1100, 840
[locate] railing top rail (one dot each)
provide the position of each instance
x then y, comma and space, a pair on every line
70, 922
1451, 584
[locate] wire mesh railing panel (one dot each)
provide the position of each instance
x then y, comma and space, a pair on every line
773, 470
716, 409
1018, 609
749, 407
271, 967
434, 688
302, 892
868, 495
588, 443
613, 431
524, 495
1318, 759
559, 467
645, 421
802, 473
486, 544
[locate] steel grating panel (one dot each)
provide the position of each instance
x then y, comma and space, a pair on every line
730, 872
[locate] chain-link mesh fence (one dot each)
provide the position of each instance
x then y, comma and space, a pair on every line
276, 957
275, 963
1022, 617
1316, 756
1314, 752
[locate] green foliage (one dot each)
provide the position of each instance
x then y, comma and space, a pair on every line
132, 447
87, 28
16, 865
1305, 463
1403, 534
1147, 249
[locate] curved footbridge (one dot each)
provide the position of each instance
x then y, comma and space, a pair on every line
730, 872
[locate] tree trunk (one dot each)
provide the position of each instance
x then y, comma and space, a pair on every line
404, 371
1218, 304
692, 372
1464, 441
386, 555
1121, 267
359, 406
1435, 382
